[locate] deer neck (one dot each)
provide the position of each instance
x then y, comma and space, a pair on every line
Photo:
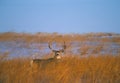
58, 57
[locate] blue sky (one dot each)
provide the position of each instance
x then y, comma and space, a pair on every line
62, 16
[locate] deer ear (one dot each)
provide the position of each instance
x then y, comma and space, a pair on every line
62, 50
53, 51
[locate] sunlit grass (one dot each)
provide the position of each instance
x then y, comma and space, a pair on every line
71, 69
45, 37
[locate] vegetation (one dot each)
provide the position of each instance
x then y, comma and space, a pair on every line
45, 37
73, 68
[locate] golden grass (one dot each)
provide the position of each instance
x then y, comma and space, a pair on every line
71, 69
45, 37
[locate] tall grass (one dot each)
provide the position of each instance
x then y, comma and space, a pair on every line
45, 37
71, 69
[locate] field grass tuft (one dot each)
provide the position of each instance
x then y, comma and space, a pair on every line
71, 69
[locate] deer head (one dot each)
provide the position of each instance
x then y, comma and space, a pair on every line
57, 53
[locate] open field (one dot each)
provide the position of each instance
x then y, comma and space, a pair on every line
72, 69
89, 58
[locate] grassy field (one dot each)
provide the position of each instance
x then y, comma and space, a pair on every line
73, 68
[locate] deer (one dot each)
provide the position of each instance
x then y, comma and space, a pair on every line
57, 56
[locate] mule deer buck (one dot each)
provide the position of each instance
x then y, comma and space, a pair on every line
57, 56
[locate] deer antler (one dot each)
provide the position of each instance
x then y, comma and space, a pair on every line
50, 46
63, 47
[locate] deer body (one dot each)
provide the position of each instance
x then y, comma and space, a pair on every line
40, 61
57, 57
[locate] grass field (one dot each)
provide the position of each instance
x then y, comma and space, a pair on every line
72, 68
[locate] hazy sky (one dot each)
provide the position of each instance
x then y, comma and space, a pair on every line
63, 16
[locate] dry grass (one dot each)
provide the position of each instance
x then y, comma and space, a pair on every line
45, 37
72, 69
